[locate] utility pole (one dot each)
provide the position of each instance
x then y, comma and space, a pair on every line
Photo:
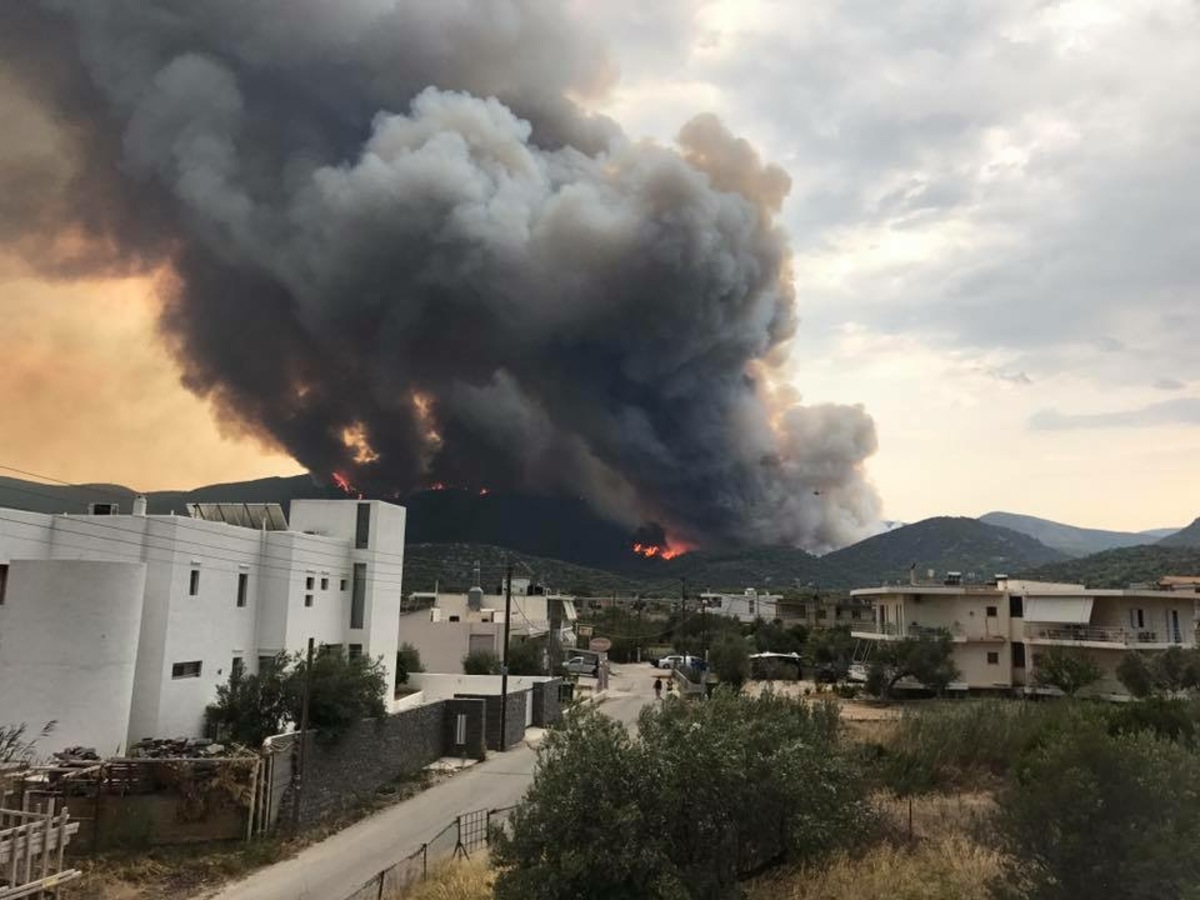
303, 737
504, 658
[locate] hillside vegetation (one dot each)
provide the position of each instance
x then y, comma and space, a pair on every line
1121, 568
1187, 537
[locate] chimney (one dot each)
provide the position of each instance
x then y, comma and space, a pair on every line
475, 599
139, 505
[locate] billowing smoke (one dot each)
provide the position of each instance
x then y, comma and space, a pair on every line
397, 247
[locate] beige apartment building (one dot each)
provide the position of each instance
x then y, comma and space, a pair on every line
1001, 629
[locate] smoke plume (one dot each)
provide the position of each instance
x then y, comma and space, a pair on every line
400, 248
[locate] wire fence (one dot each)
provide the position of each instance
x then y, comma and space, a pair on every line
467, 834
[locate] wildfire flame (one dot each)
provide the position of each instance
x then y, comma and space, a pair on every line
437, 486
345, 486
354, 437
651, 551
483, 492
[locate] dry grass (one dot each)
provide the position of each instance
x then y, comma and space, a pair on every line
461, 880
943, 862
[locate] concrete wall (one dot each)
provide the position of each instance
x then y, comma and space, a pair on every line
443, 645
68, 650
439, 685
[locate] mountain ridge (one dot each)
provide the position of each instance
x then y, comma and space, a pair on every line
1070, 539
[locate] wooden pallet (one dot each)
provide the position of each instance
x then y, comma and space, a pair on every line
31, 851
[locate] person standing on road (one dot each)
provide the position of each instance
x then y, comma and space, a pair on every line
657, 688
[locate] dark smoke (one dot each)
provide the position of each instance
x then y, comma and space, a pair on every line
386, 220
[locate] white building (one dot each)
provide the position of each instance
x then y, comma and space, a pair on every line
121, 627
746, 606
446, 627
1000, 630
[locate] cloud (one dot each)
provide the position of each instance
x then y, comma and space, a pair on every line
1183, 411
1169, 384
1011, 377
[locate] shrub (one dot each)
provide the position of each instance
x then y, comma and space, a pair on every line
481, 662
1090, 814
1067, 669
408, 660
730, 659
16, 747
704, 795
525, 658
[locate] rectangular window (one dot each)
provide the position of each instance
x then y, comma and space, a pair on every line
3, 582
324, 583
266, 664
454, 618
358, 598
837, 612
243, 588
342, 585
355, 651
1018, 652
194, 583
308, 583
237, 668
1016, 607
992, 612
855, 614
1137, 618
362, 528
308, 600
186, 669
993, 658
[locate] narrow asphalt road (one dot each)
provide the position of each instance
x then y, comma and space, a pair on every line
333, 868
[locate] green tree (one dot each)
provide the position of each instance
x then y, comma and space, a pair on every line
832, 647
481, 662
615, 816
1067, 669
928, 659
408, 660
1088, 814
525, 657
1169, 672
1135, 673
730, 660
251, 708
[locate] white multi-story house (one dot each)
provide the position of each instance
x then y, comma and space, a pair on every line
1000, 630
446, 627
119, 627
746, 606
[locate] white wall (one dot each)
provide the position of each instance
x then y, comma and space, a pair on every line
68, 648
438, 686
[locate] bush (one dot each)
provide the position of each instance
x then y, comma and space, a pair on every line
525, 658
1168, 672
1094, 815
1067, 669
408, 660
481, 662
251, 708
730, 660
704, 795
16, 747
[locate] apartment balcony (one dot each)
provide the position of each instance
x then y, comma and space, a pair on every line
889, 631
1102, 637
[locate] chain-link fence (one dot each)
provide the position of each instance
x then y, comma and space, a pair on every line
467, 834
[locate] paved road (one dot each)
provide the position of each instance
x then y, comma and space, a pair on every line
337, 865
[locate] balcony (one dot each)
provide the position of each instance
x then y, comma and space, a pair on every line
890, 631
1101, 636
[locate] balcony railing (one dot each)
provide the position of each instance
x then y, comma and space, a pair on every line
891, 629
1099, 634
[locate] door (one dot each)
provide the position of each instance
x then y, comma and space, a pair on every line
1176, 637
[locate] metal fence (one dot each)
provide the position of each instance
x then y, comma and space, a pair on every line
468, 833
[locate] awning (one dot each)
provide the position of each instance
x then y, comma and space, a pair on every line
1073, 610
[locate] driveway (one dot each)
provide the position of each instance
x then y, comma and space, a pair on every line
333, 868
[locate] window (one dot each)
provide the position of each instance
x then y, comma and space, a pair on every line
362, 528
308, 600
266, 664
855, 614
454, 618
1137, 618
324, 583
342, 586
237, 668
1016, 607
3, 582
992, 612
837, 612
802, 610
355, 651
186, 669
308, 583
194, 583
751, 604
243, 587
358, 598
993, 658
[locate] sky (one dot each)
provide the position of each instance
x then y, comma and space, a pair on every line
993, 235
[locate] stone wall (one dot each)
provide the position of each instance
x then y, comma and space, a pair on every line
546, 707
368, 756
515, 719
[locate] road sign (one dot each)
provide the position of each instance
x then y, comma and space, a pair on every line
600, 644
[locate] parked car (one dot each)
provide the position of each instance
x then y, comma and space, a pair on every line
581, 665
681, 661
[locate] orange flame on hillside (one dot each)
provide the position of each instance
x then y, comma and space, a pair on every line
653, 551
345, 486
